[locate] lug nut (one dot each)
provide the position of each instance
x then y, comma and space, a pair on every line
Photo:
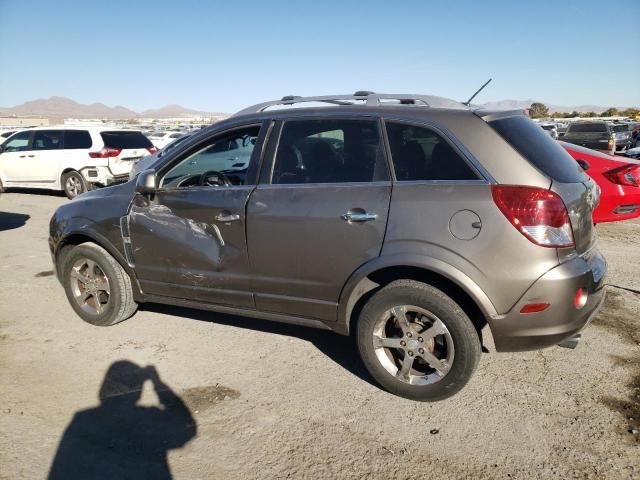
420, 339
421, 351
409, 334
403, 343
410, 353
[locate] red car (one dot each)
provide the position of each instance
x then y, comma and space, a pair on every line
619, 181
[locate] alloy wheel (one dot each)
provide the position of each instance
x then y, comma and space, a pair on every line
413, 345
73, 186
90, 286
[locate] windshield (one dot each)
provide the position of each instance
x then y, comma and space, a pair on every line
620, 128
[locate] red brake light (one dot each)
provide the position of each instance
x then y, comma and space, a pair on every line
625, 175
106, 152
152, 150
539, 214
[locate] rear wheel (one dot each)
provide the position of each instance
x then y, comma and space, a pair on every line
73, 184
97, 287
417, 342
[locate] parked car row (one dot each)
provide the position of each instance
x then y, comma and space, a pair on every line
69, 158
597, 134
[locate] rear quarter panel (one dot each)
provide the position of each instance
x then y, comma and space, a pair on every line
501, 261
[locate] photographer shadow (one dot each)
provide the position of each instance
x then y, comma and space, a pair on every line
121, 439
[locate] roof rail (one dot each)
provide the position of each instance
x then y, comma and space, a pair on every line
361, 97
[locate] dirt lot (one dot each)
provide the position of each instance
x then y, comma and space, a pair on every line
272, 401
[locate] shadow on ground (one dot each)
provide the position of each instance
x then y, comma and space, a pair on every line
9, 221
35, 191
119, 439
342, 350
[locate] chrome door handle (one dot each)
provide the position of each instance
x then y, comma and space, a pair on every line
226, 217
359, 217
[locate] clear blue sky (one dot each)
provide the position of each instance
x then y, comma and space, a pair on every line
221, 56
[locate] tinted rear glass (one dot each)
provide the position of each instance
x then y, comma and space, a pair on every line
539, 148
621, 128
125, 140
74, 139
588, 128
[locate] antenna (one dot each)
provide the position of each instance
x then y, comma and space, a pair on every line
468, 102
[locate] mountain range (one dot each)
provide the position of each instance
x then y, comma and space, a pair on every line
522, 104
67, 108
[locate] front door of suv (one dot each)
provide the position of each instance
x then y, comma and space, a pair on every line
188, 241
318, 214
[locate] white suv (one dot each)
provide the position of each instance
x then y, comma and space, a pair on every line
68, 158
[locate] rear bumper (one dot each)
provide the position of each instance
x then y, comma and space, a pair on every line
515, 331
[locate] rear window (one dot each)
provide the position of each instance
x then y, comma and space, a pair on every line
588, 128
125, 140
621, 128
75, 139
539, 148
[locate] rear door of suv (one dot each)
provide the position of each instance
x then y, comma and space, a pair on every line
319, 213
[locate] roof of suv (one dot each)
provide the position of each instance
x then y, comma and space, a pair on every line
358, 99
79, 127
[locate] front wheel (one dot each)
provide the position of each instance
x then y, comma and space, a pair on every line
417, 342
97, 287
73, 184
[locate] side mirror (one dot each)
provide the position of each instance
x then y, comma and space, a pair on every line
146, 182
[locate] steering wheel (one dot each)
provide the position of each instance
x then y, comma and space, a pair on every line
213, 178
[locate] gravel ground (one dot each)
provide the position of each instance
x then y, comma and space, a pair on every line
268, 401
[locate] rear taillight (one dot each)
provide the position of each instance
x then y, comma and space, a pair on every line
152, 150
539, 214
106, 152
625, 175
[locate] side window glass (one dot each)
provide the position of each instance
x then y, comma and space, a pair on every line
222, 161
422, 154
77, 139
47, 140
17, 143
329, 151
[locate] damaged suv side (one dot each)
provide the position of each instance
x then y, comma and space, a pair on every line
408, 221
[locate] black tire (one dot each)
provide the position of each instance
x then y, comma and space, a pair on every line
463, 334
73, 184
1, 187
120, 304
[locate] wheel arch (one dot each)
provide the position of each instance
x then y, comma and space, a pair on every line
63, 173
74, 238
374, 275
